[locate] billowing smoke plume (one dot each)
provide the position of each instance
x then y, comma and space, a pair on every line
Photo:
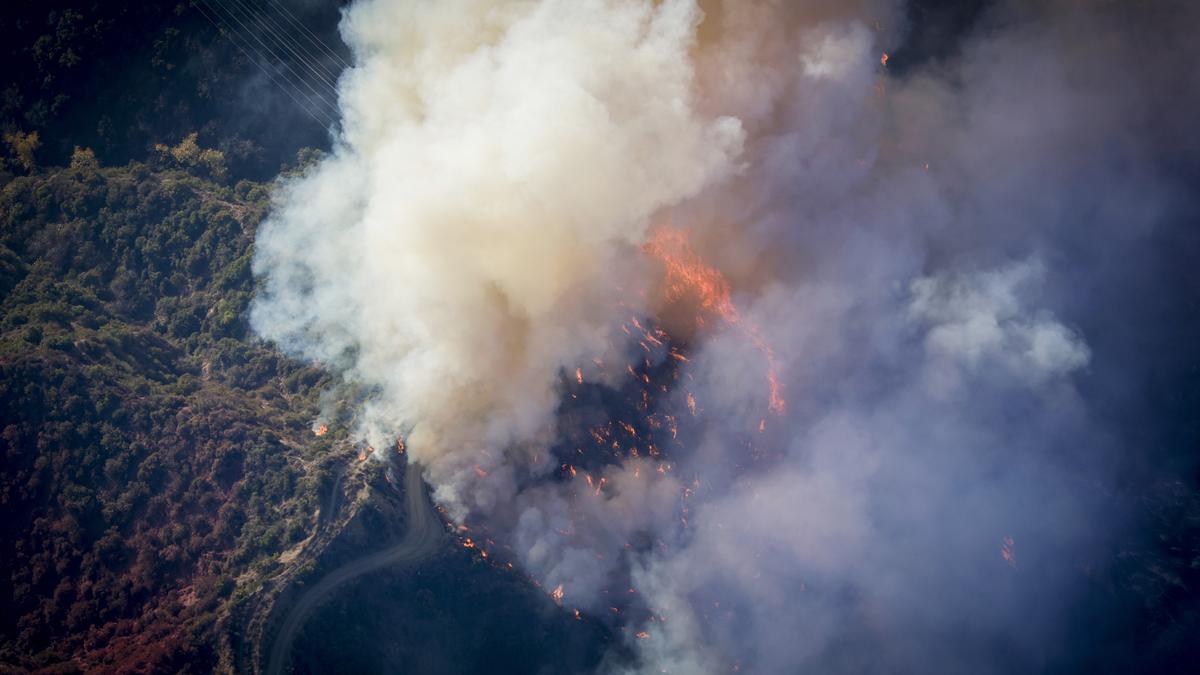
498, 168
912, 250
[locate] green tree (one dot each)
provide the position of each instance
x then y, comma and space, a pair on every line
23, 146
189, 155
84, 160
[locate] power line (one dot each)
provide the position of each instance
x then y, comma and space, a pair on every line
319, 115
247, 30
319, 59
289, 43
283, 62
316, 41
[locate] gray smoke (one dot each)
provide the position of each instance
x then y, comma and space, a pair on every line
919, 250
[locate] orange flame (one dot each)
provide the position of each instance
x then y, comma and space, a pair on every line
557, 594
321, 430
687, 274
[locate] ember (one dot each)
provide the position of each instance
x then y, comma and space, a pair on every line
1006, 552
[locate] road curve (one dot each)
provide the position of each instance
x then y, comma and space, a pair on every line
419, 542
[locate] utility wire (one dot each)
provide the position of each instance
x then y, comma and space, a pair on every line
319, 116
316, 41
321, 60
246, 30
323, 99
288, 43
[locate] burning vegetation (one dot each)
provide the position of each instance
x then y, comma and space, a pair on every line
634, 430
687, 275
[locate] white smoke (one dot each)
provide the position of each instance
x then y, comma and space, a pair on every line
979, 323
498, 167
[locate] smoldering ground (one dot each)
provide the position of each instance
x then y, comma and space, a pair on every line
969, 269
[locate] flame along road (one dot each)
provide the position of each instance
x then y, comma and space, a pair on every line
420, 542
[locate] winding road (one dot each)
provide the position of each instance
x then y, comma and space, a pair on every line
419, 542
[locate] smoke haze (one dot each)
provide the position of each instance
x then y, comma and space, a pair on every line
945, 257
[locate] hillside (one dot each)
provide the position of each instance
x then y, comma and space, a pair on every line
163, 493
156, 459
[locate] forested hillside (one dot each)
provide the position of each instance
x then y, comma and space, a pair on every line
154, 455
156, 459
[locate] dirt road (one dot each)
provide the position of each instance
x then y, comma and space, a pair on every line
419, 542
